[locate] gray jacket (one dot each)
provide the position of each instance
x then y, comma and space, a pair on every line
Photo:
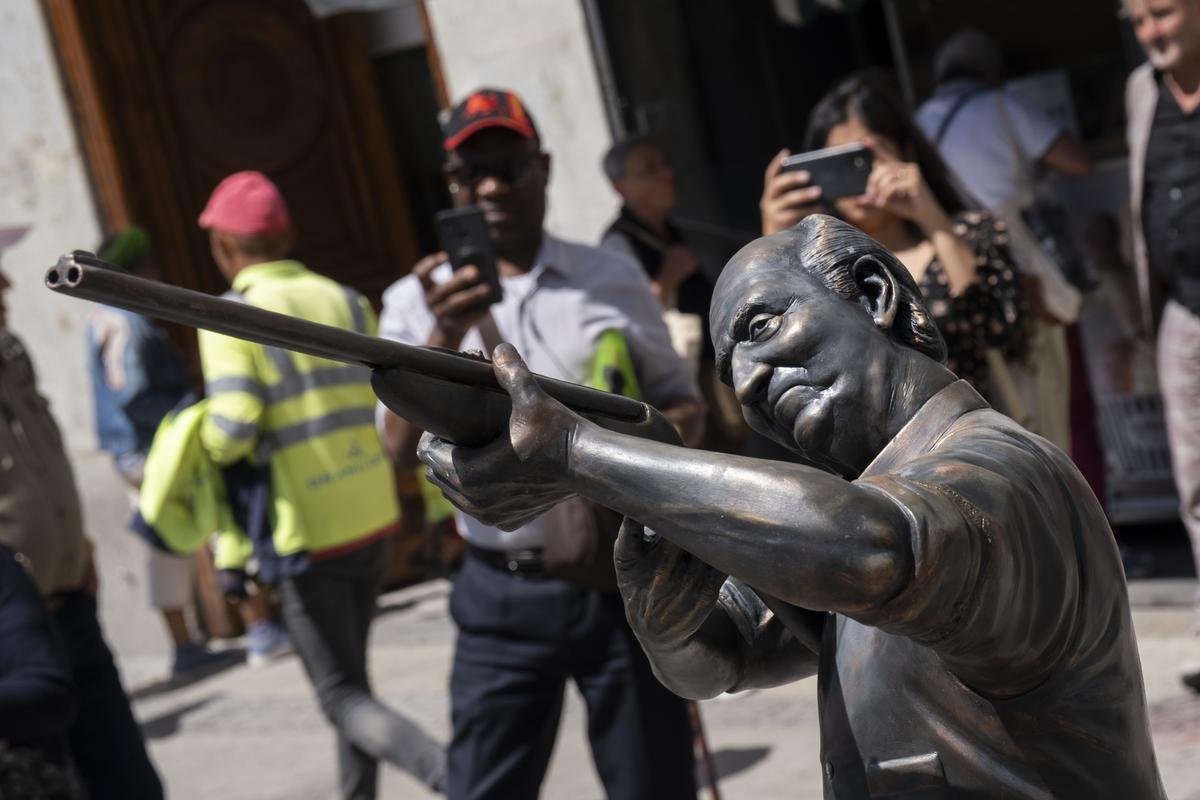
1141, 100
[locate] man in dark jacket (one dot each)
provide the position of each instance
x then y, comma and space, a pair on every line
41, 521
641, 174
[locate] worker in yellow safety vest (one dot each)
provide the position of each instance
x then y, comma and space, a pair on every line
332, 498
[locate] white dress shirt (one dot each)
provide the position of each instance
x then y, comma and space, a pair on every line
554, 314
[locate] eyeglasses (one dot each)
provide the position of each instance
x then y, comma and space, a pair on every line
511, 169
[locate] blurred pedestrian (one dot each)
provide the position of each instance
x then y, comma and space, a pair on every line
522, 631
332, 495
41, 521
641, 174
1163, 101
971, 118
995, 143
958, 256
137, 377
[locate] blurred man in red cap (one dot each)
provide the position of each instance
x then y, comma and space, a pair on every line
525, 625
41, 521
310, 422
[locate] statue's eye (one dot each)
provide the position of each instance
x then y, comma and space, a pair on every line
763, 326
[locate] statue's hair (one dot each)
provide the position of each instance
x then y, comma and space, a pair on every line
828, 248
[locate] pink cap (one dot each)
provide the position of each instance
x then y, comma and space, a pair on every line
246, 204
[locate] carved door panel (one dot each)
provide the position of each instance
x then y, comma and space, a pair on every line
172, 96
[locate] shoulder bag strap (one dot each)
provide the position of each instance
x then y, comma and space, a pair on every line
1025, 184
957, 106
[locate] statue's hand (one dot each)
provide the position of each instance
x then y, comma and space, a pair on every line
518, 477
540, 428
668, 592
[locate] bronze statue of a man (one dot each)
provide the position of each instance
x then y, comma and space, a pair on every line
948, 576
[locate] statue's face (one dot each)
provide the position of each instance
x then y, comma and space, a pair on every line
807, 365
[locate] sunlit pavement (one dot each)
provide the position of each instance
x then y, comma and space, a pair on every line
257, 733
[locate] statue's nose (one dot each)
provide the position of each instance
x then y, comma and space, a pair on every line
750, 381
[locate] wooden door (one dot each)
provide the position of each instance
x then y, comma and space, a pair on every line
170, 96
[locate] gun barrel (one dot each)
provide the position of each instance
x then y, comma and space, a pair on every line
81, 274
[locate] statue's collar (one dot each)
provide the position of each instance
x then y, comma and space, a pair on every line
927, 426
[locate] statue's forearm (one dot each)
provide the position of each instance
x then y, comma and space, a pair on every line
805, 536
720, 658
704, 666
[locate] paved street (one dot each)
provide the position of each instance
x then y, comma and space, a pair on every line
256, 733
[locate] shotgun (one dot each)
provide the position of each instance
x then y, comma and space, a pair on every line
453, 395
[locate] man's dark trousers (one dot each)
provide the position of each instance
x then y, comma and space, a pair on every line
519, 640
105, 739
328, 611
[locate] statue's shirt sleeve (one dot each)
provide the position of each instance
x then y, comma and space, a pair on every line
995, 582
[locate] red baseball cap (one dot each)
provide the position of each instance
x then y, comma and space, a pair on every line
246, 204
486, 108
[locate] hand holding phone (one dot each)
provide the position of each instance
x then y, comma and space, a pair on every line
897, 186
464, 236
787, 197
459, 303
841, 171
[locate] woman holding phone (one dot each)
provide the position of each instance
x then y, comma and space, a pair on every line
958, 256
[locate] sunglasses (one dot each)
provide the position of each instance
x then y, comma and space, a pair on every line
507, 169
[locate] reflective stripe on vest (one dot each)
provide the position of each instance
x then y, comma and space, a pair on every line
248, 385
293, 383
238, 431
312, 428
356, 311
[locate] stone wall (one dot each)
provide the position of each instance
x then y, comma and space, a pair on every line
44, 185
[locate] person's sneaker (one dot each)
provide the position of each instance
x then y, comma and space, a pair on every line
193, 657
265, 642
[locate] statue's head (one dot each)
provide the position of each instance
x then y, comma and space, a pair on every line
815, 328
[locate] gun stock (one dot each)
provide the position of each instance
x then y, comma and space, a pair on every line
453, 395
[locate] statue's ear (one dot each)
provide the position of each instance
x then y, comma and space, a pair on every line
878, 290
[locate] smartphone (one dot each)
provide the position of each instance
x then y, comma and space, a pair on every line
840, 171
464, 236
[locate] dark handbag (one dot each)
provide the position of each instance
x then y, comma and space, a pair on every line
580, 536
1047, 220
1050, 224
